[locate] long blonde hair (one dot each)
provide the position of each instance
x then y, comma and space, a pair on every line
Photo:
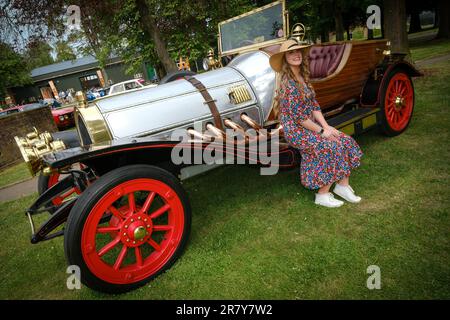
287, 74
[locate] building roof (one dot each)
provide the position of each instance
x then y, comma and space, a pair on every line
66, 67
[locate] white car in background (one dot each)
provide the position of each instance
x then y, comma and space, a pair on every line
127, 85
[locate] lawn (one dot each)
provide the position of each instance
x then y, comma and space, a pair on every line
261, 237
432, 48
13, 174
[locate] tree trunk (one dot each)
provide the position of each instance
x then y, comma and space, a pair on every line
395, 25
338, 21
325, 11
443, 12
414, 23
347, 30
148, 23
436, 18
105, 77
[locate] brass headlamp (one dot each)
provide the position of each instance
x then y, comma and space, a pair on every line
210, 62
34, 145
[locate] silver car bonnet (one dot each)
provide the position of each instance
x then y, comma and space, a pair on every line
150, 110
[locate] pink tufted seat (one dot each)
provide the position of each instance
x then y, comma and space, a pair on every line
324, 60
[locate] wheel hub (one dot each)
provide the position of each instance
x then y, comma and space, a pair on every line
139, 233
399, 102
136, 230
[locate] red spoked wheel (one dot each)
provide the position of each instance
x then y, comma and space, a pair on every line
397, 103
127, 227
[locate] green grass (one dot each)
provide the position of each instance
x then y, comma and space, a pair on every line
429, 49
261, 237
18, 172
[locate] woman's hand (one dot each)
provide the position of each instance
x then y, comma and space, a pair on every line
335, 132
329, 134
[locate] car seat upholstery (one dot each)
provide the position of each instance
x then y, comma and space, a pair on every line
324, 60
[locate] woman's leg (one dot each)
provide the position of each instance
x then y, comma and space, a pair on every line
345, 181
325, 189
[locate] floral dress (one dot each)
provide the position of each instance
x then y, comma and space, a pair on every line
322, 161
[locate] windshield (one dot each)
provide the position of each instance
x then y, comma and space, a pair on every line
255, 29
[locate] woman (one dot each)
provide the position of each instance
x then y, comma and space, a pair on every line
328, 155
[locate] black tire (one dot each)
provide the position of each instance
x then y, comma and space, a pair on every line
387, 126
42, 184
87, 201
176, 75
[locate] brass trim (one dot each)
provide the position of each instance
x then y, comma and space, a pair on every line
260, 44
34, 146
239, 94
95, 124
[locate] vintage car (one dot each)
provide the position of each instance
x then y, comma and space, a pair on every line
126, 85
63, 117
8, 111
113, 190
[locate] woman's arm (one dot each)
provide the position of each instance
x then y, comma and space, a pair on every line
327, 132
311, 125
319, 117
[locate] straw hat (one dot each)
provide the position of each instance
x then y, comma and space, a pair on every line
276, 61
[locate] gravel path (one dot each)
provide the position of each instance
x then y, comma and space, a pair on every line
429, 61
18, 190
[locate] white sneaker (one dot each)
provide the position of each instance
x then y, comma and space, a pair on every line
347, 193
327, 200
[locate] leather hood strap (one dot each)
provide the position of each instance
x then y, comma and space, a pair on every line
208, 100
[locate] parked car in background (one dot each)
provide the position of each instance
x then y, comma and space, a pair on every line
53, 103
5, 112
127, 85
24, 107
30, 106
63, 117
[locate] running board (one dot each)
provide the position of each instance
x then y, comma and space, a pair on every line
356, 121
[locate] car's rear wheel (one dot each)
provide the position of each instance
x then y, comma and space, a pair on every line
129, 226
397, 103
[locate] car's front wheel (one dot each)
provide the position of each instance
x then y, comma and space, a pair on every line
127, 227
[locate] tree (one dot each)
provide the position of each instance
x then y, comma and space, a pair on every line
176, 28
148, 23
443, 10
22, 20
64, 51
394, 25
13, 69
38, 54
338, 20
414, 8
